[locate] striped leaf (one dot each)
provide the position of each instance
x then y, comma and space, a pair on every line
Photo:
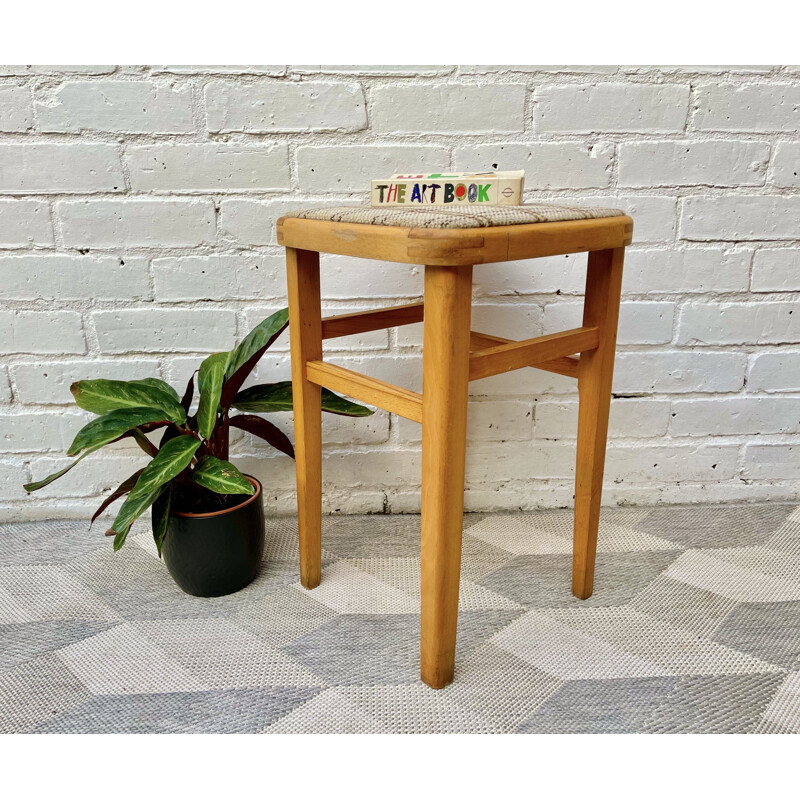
111, 426
101, 396
32, 487
171, 460
209, 382
266, 398
221, 477
161, 509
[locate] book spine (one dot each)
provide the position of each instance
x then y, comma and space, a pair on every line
414, 193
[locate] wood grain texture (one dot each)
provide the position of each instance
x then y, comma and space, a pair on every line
305, 334
595, 373
566, 365
530, 352
368, 390
364, 321
450, 247
445, 386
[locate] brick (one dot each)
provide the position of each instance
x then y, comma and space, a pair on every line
629, 418
786, 165
38, 432
12, 477
116, 107
48, 382
448, 108
622, 107
41, 332
54, 69
688, 271
678, 372
240, 276
752, 107
25, 223
208, 168
630, 463
16, 110
224, 69
350, 168
547, 165
70, 277
689, 163
740, 218
704, 462
776, 270
775, 372
563, 274
772, 461
639, 322
487, 421
141, 222
342, 277
739, 323
145, 330
5, 386
359, 69
702, 69
285, 107
579, 69
654, 218
48, 168
735, 415
252, 222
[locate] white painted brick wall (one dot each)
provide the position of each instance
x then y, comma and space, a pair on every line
137, 233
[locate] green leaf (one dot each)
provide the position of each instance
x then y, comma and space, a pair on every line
32, 487
161, 509
171, 460
221, 477
111, 426
209, 382
120, 538
260, 337
101, 396
266, 398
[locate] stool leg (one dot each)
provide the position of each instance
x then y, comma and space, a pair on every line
445, 386
595, 371
305, 333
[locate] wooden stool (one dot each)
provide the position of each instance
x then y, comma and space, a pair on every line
448, 243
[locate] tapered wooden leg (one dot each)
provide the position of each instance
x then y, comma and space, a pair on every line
305, 333
595, 372
445, 382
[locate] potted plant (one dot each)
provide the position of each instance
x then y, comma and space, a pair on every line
208, 517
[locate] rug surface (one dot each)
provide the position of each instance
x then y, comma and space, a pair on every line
694, 626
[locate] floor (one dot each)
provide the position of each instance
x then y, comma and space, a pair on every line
694, 626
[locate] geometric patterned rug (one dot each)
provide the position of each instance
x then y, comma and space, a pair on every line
694, 626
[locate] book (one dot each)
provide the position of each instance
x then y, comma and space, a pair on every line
457, 189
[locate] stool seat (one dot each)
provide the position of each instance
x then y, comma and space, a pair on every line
456, 217
455, 237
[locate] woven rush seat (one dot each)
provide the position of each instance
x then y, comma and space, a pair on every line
455, 217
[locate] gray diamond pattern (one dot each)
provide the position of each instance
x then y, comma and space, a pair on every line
693, 627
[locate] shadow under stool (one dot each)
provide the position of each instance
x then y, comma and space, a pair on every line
448, 242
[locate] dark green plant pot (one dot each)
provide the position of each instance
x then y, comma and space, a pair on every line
209, 555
